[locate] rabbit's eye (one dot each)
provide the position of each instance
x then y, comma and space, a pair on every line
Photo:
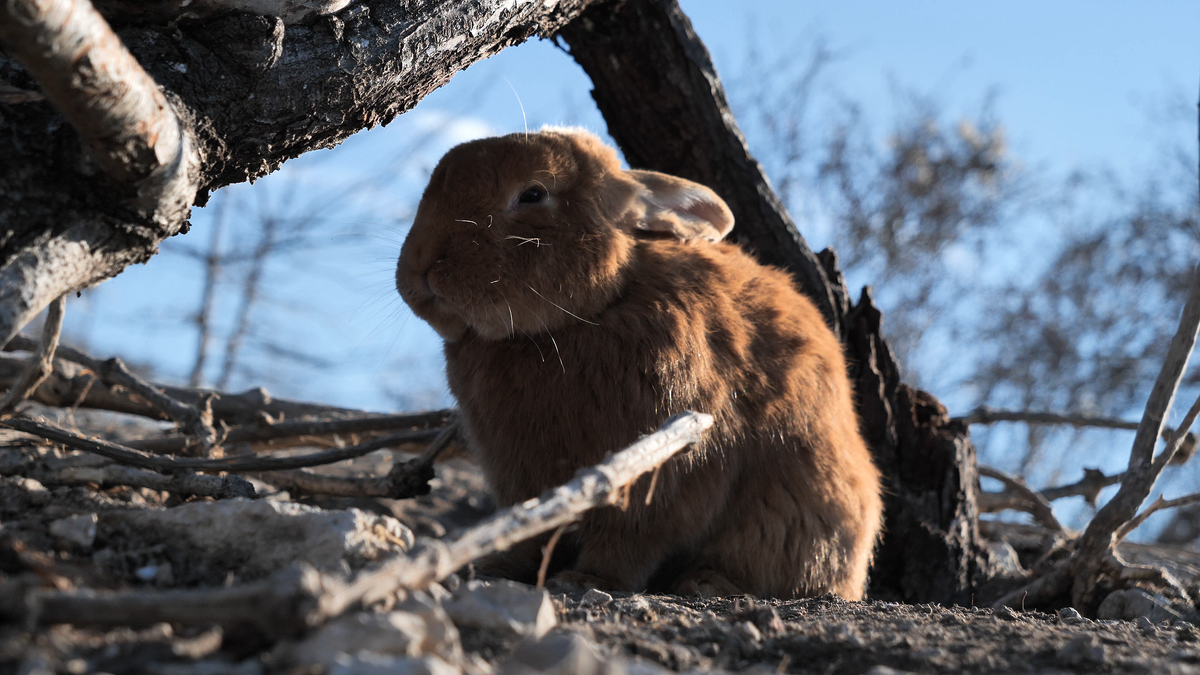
533, 195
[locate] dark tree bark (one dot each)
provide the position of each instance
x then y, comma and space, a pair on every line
250, 91
665, 106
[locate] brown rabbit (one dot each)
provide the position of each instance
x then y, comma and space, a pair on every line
581, 306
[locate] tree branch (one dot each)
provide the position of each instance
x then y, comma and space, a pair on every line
124, 455
130, 128
1097, 545
41, 363
1030, 501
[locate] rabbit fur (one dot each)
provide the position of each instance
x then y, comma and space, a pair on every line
582, 305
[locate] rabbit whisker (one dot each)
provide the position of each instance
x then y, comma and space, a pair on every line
553, 341
593, 323
536, 241
463, 220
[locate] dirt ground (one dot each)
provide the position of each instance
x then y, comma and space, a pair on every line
633, 633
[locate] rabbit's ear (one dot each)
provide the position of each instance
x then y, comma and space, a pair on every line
681, 208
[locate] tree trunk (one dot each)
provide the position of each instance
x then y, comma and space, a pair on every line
657, 89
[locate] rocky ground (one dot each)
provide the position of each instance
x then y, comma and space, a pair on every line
80, 537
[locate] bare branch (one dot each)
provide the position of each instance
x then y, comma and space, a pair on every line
91, 78
987, 415
42, 361
1088, 487
73, 386
108, 475
405, 480
1158, 505
212, 273
1098, 541
306, 431
1028, 500
592, 487
124, 455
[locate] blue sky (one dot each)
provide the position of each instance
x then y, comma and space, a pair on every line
1075, 84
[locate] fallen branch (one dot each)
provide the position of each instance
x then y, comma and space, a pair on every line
110, 475
1096, 555
601, 485
125, 455
196, 420
405, 480
300, 598
41, 363
1026, 499
71, 385
307, 430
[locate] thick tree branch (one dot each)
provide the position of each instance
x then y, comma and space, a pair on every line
131, 131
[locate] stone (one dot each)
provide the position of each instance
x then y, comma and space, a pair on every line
369, 663
417, 628
560, 654
266, 535
1129, 604
1069, 613
595, 598
78, 531
504, 606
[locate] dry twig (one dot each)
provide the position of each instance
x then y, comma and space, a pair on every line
42, 361
109, 475
1026, 499
405, 480
125, 455
196, 420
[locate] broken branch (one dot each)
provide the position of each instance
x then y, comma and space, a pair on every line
1027, 500
592, 487
124, 455
405, 480
42, 361
109, 475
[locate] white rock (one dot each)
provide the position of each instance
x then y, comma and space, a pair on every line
595, 598
424, 631
270, 535
504, 606
1131, 603
76, 531
368, 663
560, 654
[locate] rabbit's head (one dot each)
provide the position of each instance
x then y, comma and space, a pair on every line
528, 232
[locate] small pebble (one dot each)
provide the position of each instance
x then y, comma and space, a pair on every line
1069, 613
1006, 613
596, 598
